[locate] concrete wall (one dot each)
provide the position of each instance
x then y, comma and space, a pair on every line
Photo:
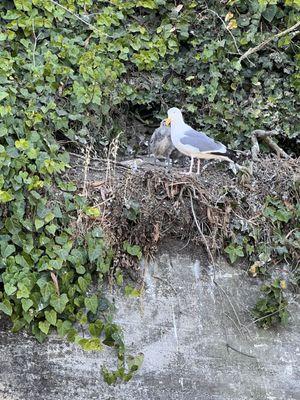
182, 325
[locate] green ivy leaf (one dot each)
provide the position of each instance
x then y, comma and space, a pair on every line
270, 12
51, 229
38, 223
47, 289
63, 327
234, 252
9, 289
22, 144
83, 284
5, 196
9, 250
59, 302
131, 292
49, 217
51, 317
93, 344
91, 303
80, 269
3, 95
92, 212
96, 328
26, 304
133, 250
44, 326
6, 307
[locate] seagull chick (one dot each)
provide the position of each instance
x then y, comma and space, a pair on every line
193, 143
160, 143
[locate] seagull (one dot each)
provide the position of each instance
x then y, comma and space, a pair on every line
160, 143
193, 143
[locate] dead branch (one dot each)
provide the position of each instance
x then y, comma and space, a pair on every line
225, 26
238, 351
86, 170
274, 146
229, 31
265, 42
265, 136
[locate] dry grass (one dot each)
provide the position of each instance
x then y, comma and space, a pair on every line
220, 200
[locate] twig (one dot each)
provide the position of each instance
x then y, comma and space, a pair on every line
261, 318
36, 38
240, 352
225, 26
55, 282
274, 146
96, 159
202, 235
265, 136
94, 28
235, 324
34, 44
219, 287
87, 161
265, 42
230, 303
290, 232
165, 281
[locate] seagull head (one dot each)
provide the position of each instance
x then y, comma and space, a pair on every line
174, 115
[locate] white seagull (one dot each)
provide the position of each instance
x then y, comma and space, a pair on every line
193, 143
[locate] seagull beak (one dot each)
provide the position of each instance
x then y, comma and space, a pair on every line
168, 121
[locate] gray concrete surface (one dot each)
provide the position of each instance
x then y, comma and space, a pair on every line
182, 325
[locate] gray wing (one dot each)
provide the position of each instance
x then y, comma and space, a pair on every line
201, 142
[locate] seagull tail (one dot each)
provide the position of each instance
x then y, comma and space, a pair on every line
235, 156
232, 155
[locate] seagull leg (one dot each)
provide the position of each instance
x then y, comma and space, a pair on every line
168, 163
198, 167
191, 166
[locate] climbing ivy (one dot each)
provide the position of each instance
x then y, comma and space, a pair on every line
274, 243
75, 72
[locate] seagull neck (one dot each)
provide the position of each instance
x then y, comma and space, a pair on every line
179, 123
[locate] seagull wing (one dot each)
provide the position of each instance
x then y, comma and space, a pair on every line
201, 142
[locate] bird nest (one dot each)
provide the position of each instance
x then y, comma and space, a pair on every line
145, 204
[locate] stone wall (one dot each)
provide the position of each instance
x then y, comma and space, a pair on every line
183, 324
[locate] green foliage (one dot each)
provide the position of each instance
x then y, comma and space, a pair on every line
277, 244
47, 79
132, 292
134, 363
234, 252
61, 76
133, 250
277, 211
132, 210
272, 308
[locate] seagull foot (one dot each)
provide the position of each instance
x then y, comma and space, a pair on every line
186, 173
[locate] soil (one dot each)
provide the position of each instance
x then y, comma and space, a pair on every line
143, 204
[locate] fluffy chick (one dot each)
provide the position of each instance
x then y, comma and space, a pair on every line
161, 145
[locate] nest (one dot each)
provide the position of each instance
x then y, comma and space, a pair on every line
143, 205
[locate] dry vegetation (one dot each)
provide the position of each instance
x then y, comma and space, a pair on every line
143, 205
